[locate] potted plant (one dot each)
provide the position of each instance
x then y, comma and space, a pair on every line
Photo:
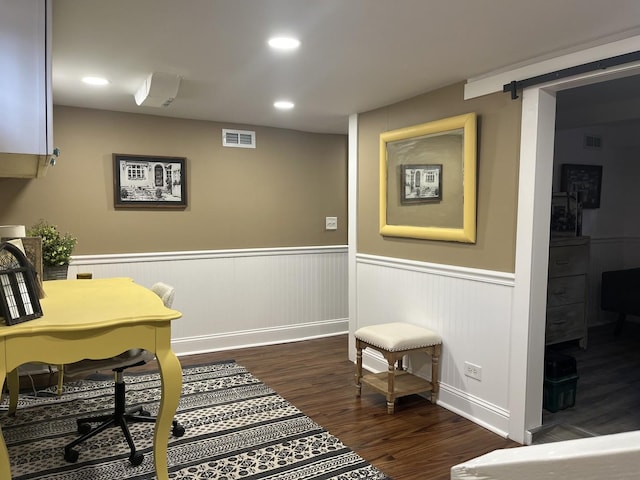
56, 249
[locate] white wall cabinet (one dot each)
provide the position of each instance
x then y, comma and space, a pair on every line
25, 87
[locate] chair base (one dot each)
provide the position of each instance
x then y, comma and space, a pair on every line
121, 417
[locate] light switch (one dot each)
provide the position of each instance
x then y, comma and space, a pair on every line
331, 223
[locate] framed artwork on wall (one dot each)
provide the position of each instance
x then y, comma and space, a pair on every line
141, 181
584, 181
428, 180
420, 184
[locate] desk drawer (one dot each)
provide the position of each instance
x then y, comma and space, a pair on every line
565, 323
566, 290
569, 260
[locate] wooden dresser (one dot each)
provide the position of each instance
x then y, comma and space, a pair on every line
567, 290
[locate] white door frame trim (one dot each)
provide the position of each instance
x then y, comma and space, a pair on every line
353, 231
532, 247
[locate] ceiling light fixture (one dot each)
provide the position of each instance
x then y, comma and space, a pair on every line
284, 43
284, 104
95, 81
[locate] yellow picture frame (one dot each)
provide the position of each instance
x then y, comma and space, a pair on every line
450, 142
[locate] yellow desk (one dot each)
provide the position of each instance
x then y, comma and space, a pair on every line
96, 319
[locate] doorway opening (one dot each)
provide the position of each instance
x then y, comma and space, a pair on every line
596, 136
534, 206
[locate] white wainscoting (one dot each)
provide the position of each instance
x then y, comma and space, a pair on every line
469, 308
238, 298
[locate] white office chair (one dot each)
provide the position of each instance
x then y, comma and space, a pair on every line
121, 415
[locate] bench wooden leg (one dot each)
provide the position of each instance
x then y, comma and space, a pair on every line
391, 377
358, 368
435, 368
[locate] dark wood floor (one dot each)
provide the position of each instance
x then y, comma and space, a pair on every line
607, 393
423, 441
420, 441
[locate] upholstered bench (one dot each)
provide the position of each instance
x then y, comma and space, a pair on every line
395, 340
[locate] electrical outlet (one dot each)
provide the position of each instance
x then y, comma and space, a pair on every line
473, 371
331, 223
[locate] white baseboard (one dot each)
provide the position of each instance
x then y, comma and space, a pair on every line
373, 361
235, 340
259, 336
485, 414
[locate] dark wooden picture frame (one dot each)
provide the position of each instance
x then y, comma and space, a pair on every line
19, 298
33, 251
587, 179
420, 184
142, 181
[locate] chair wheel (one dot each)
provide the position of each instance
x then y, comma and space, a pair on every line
84, 428
177, 430
136, 459
71, 455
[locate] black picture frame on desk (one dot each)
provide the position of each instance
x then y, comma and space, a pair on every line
19, 299
564, 215
587, 179
33, 251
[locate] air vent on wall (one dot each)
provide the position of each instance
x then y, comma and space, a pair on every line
592, 141
238, 138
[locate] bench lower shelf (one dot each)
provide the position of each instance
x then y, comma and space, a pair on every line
404, 383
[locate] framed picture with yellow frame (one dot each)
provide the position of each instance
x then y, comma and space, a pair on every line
428, 180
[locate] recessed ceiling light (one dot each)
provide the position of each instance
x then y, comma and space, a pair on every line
284, 43
284, 104
95, 81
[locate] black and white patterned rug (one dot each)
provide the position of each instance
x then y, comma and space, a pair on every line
236, 427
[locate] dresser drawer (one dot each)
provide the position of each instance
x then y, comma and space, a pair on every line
565, 323
566, 290
569, 260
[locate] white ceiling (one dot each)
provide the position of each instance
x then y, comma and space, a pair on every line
615, 101
356, 55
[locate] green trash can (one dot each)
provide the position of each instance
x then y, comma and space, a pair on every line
560, 382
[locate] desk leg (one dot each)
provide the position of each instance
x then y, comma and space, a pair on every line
5, 467
171, 375
13, 382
